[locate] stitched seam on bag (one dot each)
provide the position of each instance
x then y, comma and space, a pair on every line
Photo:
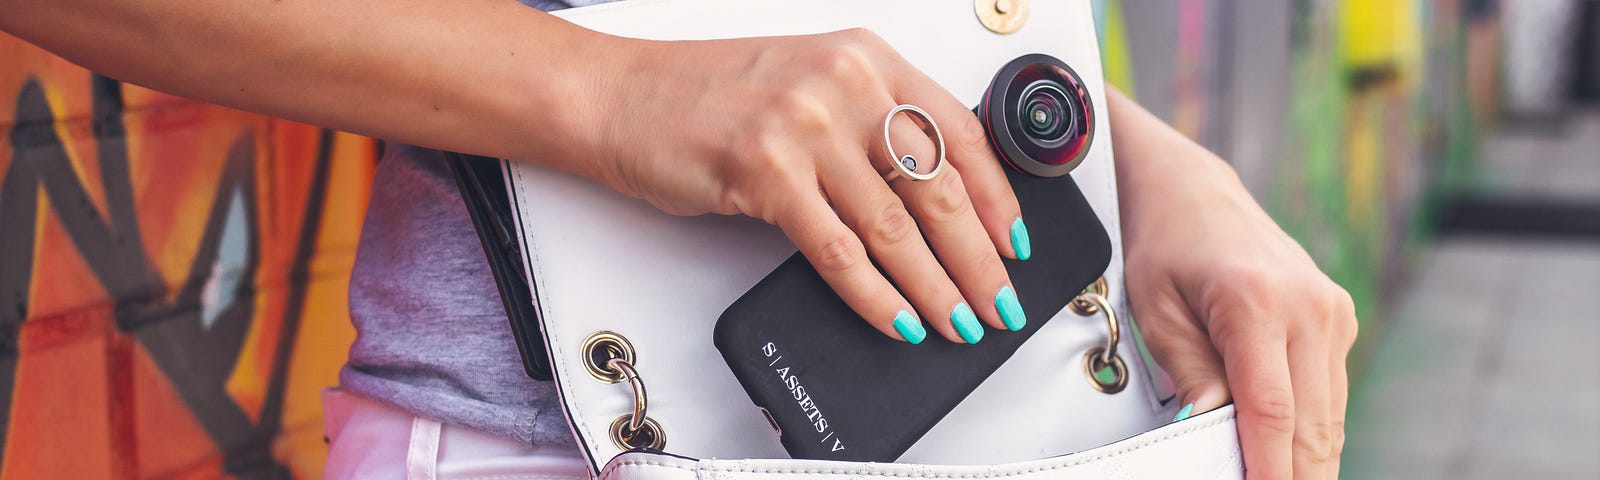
557, 358
858, 471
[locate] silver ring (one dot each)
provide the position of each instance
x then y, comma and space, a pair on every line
907, 165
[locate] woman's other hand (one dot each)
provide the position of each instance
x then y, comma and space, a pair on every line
1228, 303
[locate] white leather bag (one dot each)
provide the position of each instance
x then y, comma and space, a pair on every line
614, 276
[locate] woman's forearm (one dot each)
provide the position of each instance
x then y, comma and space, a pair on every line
490, 77
1152, 159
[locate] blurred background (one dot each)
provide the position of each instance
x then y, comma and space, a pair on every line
173, 274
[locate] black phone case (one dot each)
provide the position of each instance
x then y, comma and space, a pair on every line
837, 389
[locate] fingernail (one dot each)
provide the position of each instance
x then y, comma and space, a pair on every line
1020, 241
1010, 310
1184, 412
909, 327
966, 323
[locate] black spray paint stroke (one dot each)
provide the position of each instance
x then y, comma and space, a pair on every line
186, 352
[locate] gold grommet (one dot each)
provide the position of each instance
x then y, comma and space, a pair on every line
649, 435
1082, 306
1001, 16
1093, 363
598, 351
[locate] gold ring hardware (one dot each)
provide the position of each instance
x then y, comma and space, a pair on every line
1113, 329
600, 349
1094, 362
1083, 306
649, 436
1104, 357
640, 401
1001, 16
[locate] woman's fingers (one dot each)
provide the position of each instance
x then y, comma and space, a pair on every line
969, 151
893, 237
1255, 356
1313, 429
1343, 337
950, 224
1182, 348
839, 257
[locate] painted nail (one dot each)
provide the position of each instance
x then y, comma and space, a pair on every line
1020, 241
966, 323
1010, 310
909, 327
1184, 412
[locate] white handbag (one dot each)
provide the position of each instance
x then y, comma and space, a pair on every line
615, 278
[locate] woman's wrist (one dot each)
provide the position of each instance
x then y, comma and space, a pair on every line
557, 110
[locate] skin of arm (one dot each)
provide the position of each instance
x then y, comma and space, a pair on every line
458, 72
776, 128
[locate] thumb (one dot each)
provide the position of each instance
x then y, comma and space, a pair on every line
1184, 351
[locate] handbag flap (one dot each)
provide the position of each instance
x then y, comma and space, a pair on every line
600, 261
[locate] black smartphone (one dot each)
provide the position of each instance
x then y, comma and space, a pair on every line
837, 389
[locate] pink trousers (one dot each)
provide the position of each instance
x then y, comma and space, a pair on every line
371, 440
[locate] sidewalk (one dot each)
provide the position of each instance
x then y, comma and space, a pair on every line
1489, 367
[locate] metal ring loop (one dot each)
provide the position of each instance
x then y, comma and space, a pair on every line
900, 163
1082, 306
640, 402
651, 436
1094, 361
600, 348
1113, 328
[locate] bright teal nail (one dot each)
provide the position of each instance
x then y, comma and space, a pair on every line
1184, 413
966, 323
1020, 241
1010, 310
909, 327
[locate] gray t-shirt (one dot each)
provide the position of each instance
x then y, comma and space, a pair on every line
431, 335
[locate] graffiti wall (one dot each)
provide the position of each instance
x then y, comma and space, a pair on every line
173, 279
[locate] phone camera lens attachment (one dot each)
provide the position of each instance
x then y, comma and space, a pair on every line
1046, 112
1038, 115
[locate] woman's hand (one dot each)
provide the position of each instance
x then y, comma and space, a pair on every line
790, 130
1227, 302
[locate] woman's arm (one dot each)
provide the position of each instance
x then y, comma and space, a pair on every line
469, 75
777, 128
1227, 302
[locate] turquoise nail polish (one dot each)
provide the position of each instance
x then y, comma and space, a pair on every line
1184, 413
909, 327
1020, 241
1010, 310
966, 323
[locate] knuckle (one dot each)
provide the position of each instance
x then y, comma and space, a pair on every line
759, 152
1342, 314
969, 134
893, 225
988, 264
760, 167
1252, 278
843, 61
1274, 411
1315, 442
1245, 289
798, 107
949, 197
836, 254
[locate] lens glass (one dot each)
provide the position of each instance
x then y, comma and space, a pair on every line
1047, 116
